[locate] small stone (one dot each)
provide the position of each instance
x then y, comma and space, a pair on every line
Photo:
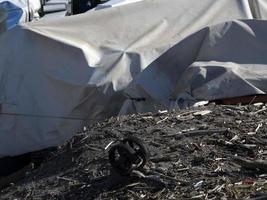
200, 103
238, 121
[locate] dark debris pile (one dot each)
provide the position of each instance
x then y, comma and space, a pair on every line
211, 152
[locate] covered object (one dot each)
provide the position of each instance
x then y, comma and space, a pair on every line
58, 75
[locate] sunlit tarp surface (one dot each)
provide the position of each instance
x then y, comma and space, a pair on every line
58, 75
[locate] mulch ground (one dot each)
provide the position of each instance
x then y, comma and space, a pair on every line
209, 152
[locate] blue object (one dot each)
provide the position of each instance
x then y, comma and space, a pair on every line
14, 13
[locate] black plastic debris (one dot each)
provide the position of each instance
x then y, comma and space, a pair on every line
127, 155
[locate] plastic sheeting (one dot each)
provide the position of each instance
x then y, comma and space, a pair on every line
14, 14
140, 57
231, 62
20, 11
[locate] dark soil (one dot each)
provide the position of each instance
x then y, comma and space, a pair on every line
216, 155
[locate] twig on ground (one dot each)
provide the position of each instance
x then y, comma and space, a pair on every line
164, 119
251, 164
171, 178
163, 158
259, 111
196, 133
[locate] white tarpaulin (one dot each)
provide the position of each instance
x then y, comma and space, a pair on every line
258, 8
54, 74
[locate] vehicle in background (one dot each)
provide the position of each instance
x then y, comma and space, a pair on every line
80, 6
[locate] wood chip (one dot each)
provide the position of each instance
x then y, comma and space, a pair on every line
202, 113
